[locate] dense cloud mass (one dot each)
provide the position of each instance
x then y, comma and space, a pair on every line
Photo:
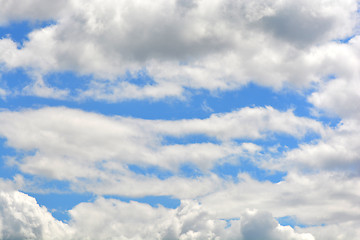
22, 218
245, 112
218, 44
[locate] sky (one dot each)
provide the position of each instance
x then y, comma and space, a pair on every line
180, 119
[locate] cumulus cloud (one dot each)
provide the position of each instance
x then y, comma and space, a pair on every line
339, 96
108, 217
185, 44
22, 218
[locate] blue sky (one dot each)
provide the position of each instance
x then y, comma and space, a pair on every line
181, 119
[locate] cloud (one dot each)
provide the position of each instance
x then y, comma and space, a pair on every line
17, 182
55, 138
217, 45
33, 10
259, 122
3, 93
339, 96
108, 217
313, 199
338, 150
40, 89
22, 218
345, 230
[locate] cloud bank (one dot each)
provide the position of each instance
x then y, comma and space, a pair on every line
180, 44
22, 217
249, 170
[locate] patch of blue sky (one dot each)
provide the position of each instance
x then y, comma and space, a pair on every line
283, 142
14, 79
154, 201
18, 31
186, 170
7, 171
253, 95
345, 40
189, 139
46, 184
228, 221
250, 95
140, 78
151, 171
231, 170
59, 204
293, 222
168, 109
287, 221
189, 170
68, 80
331, 121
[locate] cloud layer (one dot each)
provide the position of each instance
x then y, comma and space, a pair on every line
213, 45
237, 174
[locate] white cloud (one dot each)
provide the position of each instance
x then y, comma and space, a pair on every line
107, 217
184, 44
245, 123
345, 230
3, 93
338, 150
339, 96
40, 89
18, 10
17, 182
312, 199
22, 218
56, 138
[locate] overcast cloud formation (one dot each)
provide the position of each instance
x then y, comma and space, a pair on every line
246, 112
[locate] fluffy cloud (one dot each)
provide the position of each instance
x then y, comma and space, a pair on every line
339, 96
182, 44
108, 217
22, 218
